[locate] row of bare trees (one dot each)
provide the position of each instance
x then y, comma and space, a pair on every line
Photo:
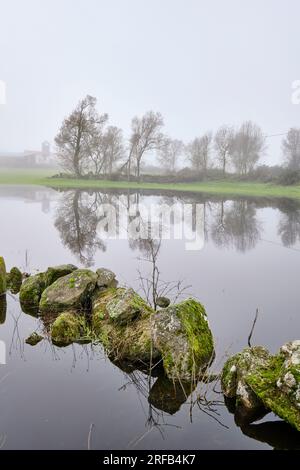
87, 144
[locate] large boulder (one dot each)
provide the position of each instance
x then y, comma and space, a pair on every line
31, 292
55, 272
2, 276
121, 320
277, 383
14, 280
182, 335
68, 327
71, 292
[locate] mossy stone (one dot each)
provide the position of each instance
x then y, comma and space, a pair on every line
34, 339
129, 340
182, 335
55, 272
67, 328
73, 292
278, 384
14, 280
31, 292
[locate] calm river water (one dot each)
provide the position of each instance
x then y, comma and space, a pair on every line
60, 398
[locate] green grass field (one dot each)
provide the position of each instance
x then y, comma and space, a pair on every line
42, 178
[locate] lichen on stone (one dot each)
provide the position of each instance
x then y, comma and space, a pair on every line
278, 385
182, 335
72, 291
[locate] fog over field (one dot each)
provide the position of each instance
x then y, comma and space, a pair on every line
201, 64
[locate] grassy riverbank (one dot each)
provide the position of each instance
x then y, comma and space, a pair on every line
42, 178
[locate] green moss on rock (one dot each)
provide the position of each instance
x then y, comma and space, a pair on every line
182, 335
67, 328
14, 280
235, 372
121, 305
278, 384
31, 292
2, 276
34, 339
55, 272
73, 291
129, 338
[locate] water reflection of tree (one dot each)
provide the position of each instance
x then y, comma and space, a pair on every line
236, 225
77, 221
289, 225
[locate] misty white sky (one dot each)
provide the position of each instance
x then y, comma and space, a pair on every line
201, 63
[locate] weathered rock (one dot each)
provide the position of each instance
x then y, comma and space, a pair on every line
125, 337
2, 276
278, 384
235, 372
14, 280
71, 292
55, 272
120, 305
163, 302
34, 339
31, 292
67, 328
106, 278
182, 335
3, 308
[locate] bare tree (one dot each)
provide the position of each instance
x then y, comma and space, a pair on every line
77, 136
247, 148
223, 145
291, 148
169, 153
146, 136
113, 148
198, 152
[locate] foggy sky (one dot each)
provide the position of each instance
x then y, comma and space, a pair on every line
201, 63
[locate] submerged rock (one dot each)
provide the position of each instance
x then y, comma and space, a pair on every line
2, 276
68, 328
163, 302
106, 278
233, 379
73, 292
182, 335
34, 339
121, 320
31, 292
55, 272
278, 384
14, 280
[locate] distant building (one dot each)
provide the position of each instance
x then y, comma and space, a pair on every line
30, 158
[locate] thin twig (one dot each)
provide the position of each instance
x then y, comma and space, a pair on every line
252, 329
